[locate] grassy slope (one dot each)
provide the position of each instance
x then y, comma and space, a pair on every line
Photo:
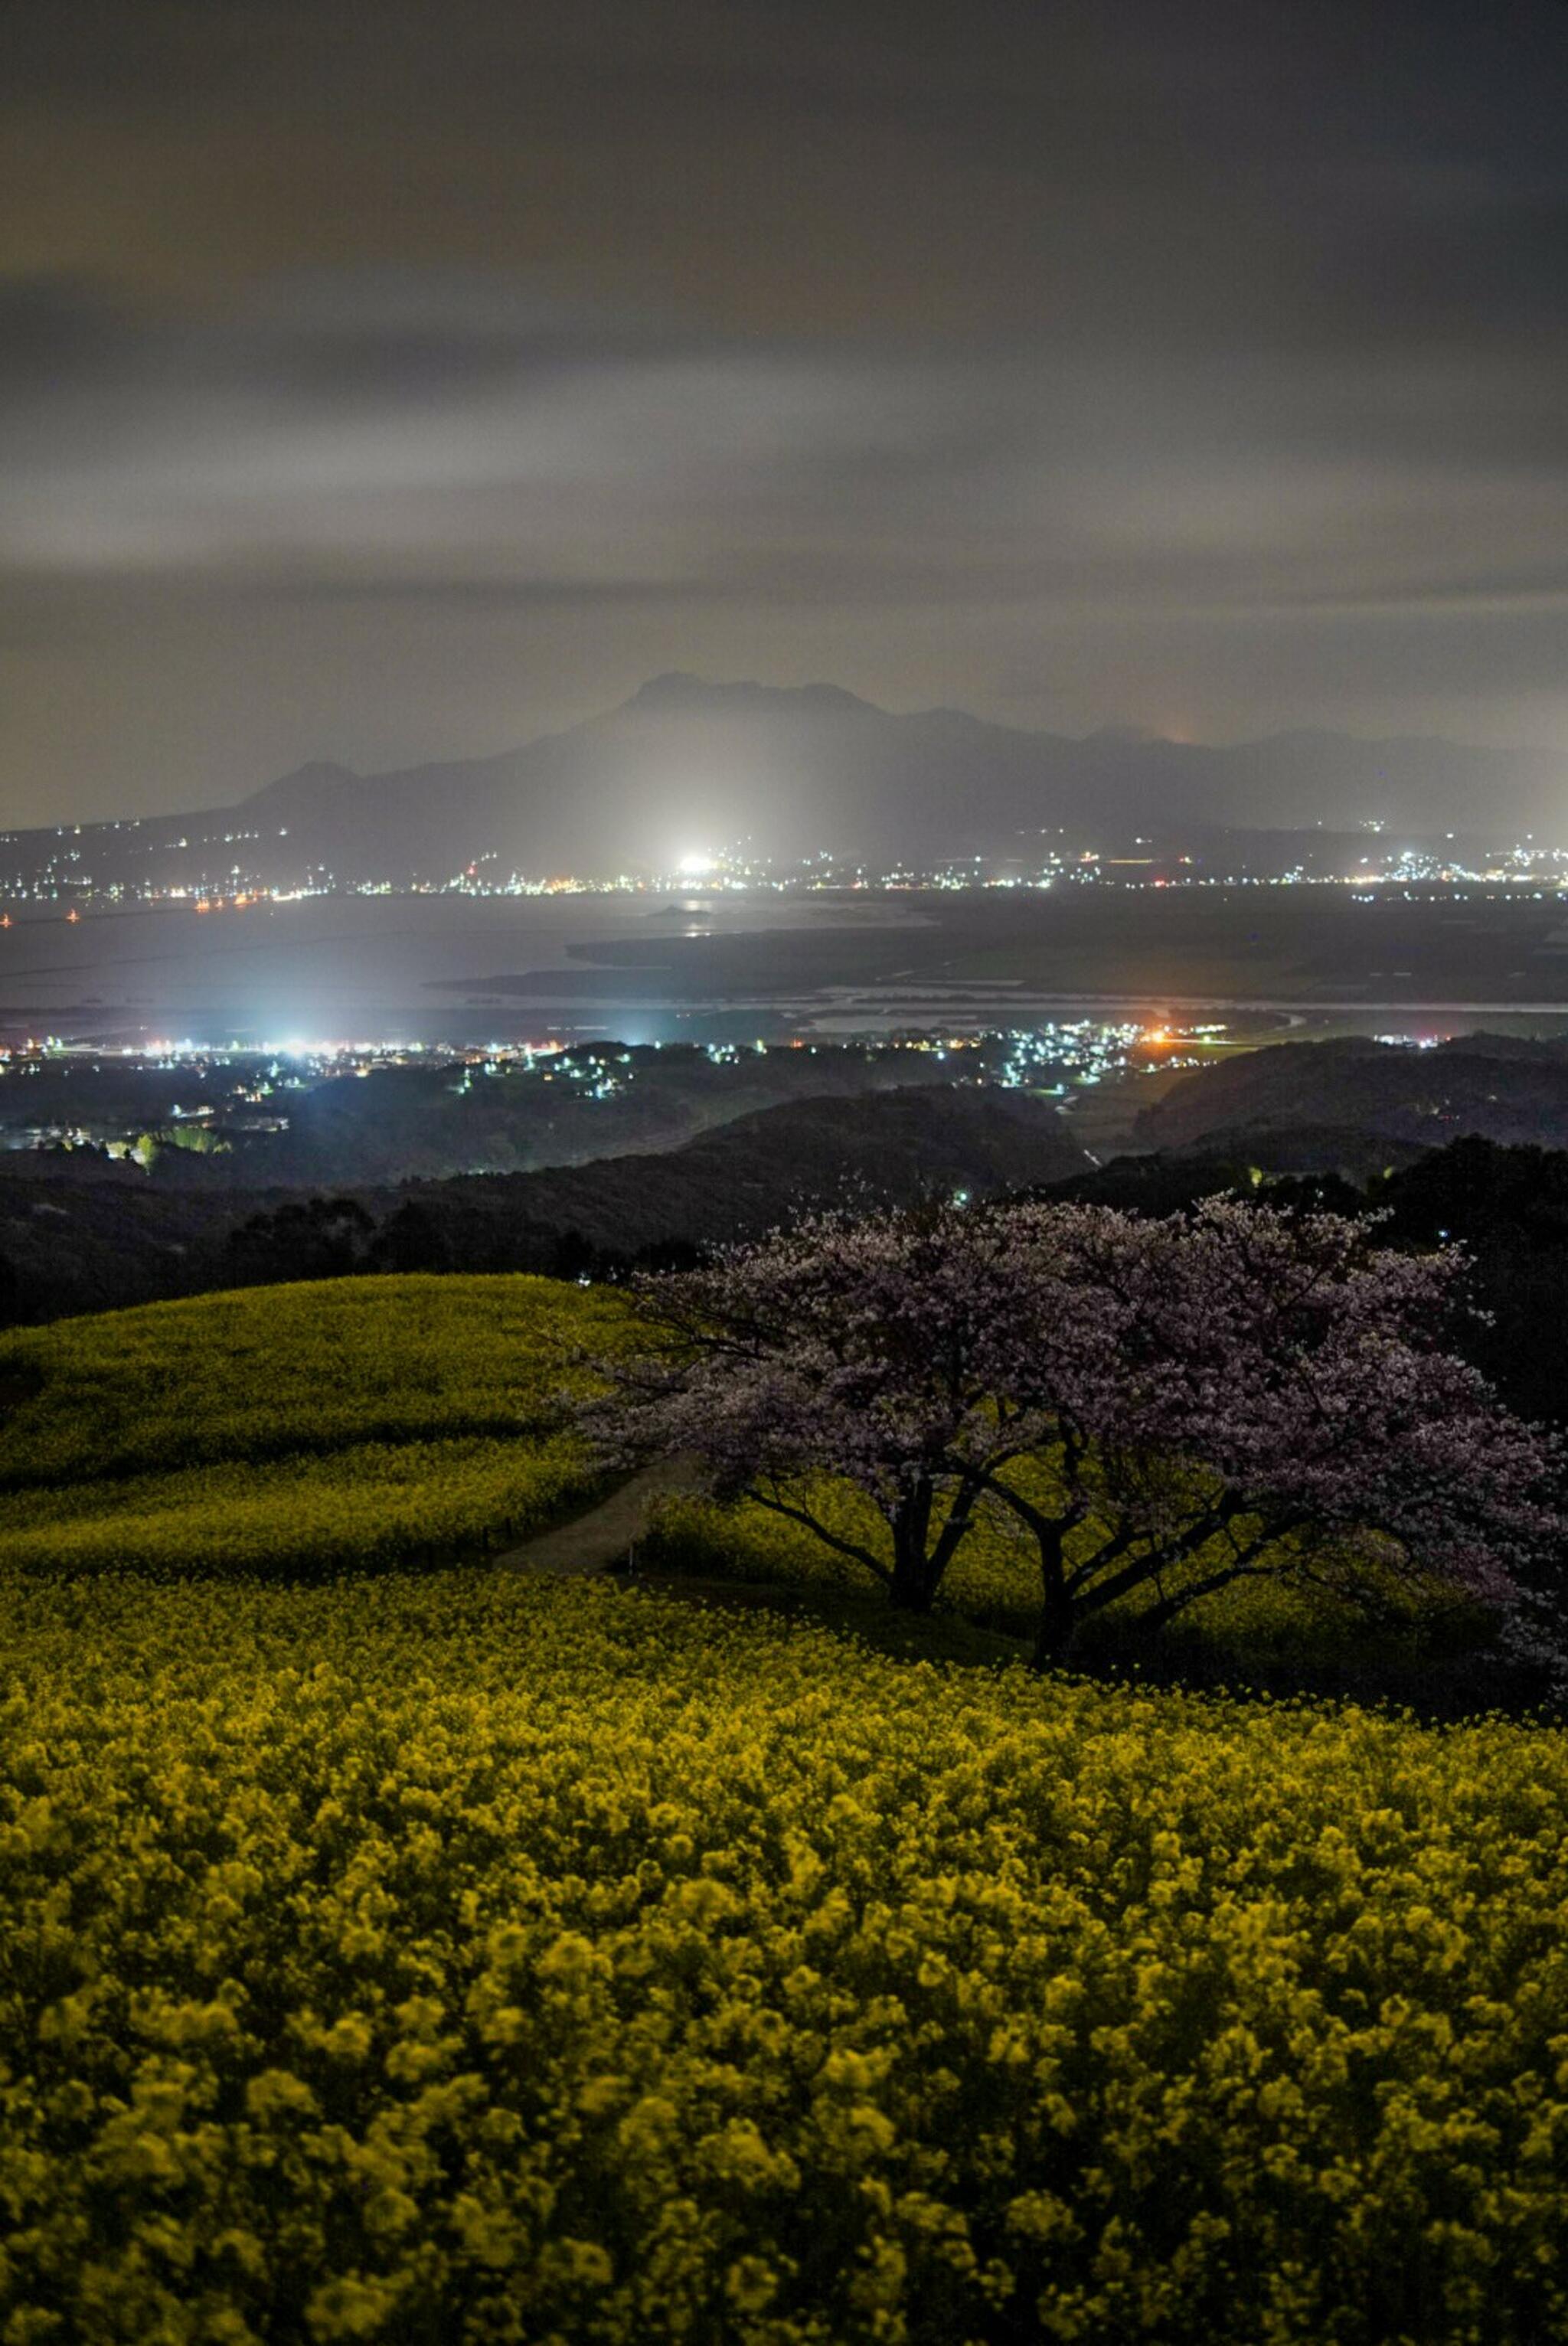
296, 1428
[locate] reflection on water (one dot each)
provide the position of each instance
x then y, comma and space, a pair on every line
475, 970
364, 966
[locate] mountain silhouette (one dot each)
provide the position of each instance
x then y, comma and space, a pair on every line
686, 767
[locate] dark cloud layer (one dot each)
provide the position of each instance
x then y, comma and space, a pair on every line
385, 382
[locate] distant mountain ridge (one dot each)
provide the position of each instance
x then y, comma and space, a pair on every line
686, 767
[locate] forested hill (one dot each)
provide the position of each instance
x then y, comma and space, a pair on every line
79, 1246
1497, 1086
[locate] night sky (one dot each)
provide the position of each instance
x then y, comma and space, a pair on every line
386, 381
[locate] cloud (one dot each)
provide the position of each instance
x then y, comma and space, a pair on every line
1179, 351
393, 418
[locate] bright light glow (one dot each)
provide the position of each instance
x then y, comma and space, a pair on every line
693, 866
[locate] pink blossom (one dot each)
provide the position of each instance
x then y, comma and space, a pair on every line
1165, 1405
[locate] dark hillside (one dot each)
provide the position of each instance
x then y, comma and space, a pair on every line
68, 1246
1505, 1089
895, 1147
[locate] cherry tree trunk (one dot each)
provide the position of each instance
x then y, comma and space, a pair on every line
914, 1581
1053, 1640
1058, 1623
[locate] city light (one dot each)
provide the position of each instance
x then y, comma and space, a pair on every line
242, 1101
133, 868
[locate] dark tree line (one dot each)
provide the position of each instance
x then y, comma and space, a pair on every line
70, 1247
334, 1238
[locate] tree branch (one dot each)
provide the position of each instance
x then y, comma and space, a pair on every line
1177, 1602
802, 1515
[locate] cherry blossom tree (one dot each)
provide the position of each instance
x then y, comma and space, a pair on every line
858, 1349
1161, 1407
1283, 1400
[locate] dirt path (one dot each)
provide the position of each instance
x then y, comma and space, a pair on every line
589, 1543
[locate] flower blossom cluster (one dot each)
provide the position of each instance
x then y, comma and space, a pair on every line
1272, 1379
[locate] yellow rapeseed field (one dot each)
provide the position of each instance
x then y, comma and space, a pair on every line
433, 1958
288, 1429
